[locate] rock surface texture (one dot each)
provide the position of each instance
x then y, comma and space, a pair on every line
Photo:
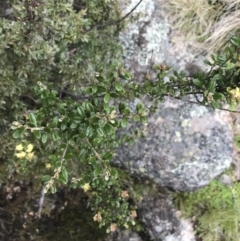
123, 235
185, 147
163, 222
186, 144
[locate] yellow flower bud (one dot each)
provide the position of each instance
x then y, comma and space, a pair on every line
48, 165
30, 156
19, 147
113, 227
86, 187
29, 148
20, 155
97, 217
235, 94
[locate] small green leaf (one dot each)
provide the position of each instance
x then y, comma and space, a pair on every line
96, 141
114, 173
89, 131
126, 111
95, 101
94, 89
16, 134
100, 131
97, 171
136, 118
216, 105
62, 179
73, 126
80, 111
124, 122
109, 129
126, 75
46, 178
143, 119
94, 120
52, 124
101, 123
17, 7
89, 106
69, 155
118, 86
48, 130
52, 157
107, 156
101, 89
212, 85
53, 189
114, 95
54, 136
92, 160
100, 78
197, 82
82, 155
64, 173
235, 41
218, 96
106, 107
222, 57
44, 138
63, 127
106, 98
139, 107
32, 119
37, 134
121, 107
176, 73
207, 62
88, 90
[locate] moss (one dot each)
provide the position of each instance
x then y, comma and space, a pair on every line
214, 210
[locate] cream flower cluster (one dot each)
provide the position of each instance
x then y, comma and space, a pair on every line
24, 151
235, 93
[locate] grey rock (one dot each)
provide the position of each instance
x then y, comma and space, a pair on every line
186, 144
185, 147
123, 235
149, 40
226, 180
163, 221
9, 11
157, 214
144, 41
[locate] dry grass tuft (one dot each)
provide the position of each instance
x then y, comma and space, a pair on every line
208, 25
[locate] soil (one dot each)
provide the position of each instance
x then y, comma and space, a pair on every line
65, 215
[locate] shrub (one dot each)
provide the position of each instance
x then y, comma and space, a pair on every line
65, 94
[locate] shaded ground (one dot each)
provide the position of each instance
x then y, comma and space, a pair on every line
65, 215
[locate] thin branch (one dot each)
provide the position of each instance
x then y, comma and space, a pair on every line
41, 202
208, 106
114, 22
78, 96
31, 98
58, 170
95, 152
